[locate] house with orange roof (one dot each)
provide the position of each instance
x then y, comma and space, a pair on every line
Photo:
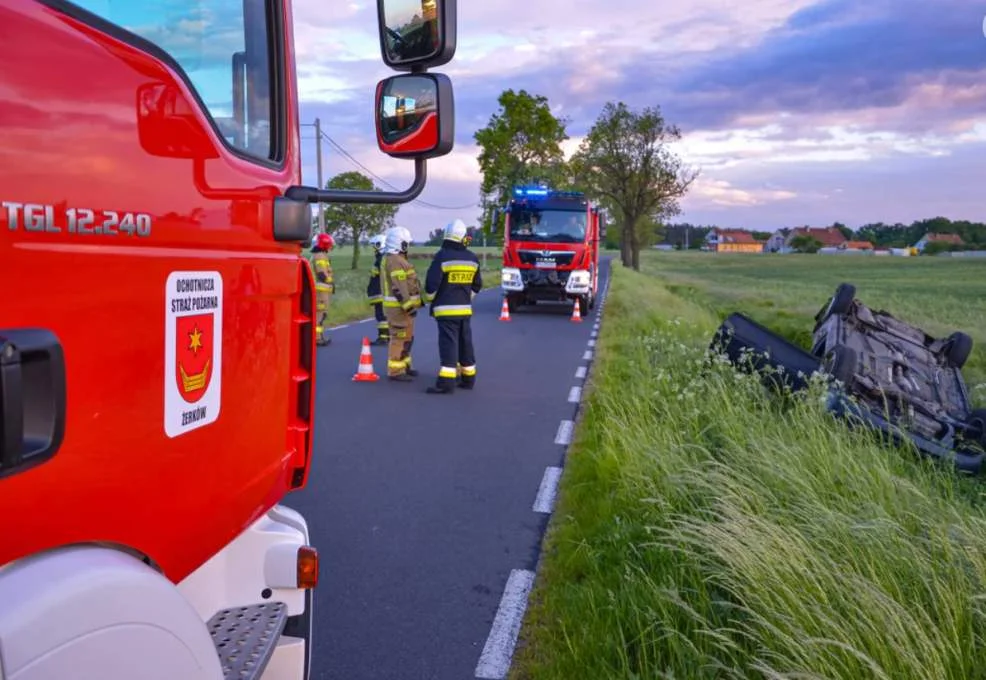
827, 237
732, 241
856, 245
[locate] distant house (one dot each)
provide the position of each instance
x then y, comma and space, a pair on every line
828, 237
776, 241
950, 239
732, 241
857, 245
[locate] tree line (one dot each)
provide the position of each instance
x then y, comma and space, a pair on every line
625, 163
880, 234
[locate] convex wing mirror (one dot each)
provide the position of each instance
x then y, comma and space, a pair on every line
415, 115
416, 34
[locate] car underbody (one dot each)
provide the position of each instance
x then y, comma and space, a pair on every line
883, 373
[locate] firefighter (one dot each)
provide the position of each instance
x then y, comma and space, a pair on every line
401, 300
324, 285
452, 282
374, 294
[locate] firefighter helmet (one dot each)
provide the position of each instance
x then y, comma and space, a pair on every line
377, 241
396, 240
324, 241
456, 231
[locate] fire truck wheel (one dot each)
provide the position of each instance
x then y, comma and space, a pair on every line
94, 612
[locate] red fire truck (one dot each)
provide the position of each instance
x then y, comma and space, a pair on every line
551, 247
157, 356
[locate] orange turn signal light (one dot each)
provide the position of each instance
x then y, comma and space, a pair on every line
307, 567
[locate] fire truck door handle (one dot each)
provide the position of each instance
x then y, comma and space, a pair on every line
32, 398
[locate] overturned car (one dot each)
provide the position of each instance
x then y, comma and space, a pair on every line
885, 374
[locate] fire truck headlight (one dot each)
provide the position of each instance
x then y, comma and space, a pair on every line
579, 281
510, 279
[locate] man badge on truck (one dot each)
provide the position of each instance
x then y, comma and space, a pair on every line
193, 351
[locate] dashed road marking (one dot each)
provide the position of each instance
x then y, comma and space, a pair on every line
494, 662
574, 395
592, 343
545, 501
564, 435
580, 372
587, 356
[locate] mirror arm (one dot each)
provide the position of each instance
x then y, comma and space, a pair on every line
314, 195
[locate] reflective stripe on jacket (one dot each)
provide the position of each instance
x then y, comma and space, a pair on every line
452, 279
399, 283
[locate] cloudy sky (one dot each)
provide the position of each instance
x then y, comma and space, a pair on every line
796, 111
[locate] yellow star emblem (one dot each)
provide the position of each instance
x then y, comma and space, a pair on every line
195, 338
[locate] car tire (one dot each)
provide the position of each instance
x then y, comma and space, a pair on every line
838, 304
957, 349
841, 363
977, 423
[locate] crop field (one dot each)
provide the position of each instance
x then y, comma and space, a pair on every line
708, 529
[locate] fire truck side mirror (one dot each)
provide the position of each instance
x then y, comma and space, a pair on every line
167, 125
416, 34
415, 115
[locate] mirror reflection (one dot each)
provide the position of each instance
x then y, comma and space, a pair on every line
411, 29
404, 103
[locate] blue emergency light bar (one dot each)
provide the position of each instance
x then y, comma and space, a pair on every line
545, 192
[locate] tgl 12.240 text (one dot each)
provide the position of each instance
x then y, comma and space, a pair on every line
44, 218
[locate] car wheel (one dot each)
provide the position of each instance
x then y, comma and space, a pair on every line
977, 423
957, 349
841, 364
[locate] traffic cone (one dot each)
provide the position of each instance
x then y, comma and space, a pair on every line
505, 311
365, 372
576, 312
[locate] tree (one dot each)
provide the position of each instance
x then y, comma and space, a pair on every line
520, 144
353, 222
803, 243
626, 163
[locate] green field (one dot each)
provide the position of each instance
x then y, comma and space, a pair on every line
349, 302
706, 529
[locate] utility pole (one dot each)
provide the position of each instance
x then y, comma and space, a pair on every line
318, 161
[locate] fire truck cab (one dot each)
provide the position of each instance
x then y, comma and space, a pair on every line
157, 339
551, 248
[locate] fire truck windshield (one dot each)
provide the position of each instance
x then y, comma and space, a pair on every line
558, 226
223, 47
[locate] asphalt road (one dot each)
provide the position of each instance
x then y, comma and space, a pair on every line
423, 505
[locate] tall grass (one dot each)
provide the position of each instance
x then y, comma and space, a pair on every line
707, 529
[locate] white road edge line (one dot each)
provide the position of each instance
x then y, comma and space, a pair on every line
580, 372
592, 343
548, 490
574, 395
498, 652
587, 356
564, 435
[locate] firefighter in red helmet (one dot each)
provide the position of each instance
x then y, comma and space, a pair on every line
324, 285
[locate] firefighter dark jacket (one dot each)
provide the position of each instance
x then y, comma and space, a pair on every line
399, 283
452, 279
373, 290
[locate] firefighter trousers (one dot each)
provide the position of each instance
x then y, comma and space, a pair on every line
455, 352
383, 327
401, 341
323, 298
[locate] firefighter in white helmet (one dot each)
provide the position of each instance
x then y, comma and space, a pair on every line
401, 300
374, 293
452, 281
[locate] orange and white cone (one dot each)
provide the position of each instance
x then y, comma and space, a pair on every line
365, 372
577, 312
505, 311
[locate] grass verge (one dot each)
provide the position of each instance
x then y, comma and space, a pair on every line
705, 529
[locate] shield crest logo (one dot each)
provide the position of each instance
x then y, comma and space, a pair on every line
194, 355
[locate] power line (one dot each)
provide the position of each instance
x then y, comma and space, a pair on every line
380, 179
